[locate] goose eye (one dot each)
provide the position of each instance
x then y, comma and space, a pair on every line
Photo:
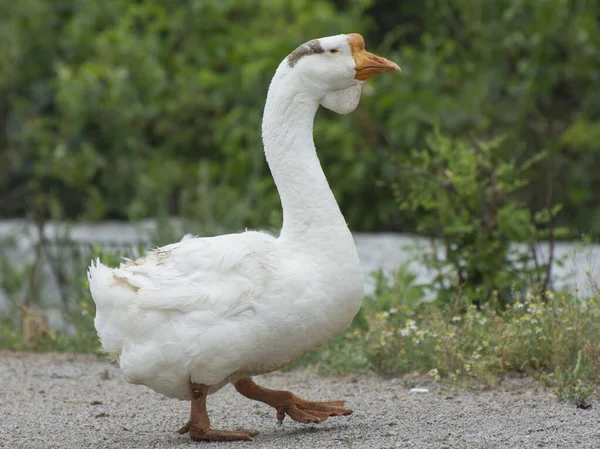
334, 51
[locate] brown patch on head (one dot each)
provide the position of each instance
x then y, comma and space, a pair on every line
310, 48
356, 41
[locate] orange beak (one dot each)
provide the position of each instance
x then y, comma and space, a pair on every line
367, 64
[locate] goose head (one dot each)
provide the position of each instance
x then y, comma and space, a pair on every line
333, 69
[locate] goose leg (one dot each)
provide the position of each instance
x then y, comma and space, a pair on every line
286, 402
199, 424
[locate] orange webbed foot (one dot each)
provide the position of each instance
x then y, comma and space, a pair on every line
307, 412
198, 426
209, 434
287, 403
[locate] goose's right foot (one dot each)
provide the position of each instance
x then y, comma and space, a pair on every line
287, 403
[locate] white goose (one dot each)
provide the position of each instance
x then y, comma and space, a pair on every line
193, 316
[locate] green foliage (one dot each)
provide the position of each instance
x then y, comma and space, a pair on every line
12, 278
25, 328
570, 385
133, 109
13, 338
466, 194
551, 335
524, 70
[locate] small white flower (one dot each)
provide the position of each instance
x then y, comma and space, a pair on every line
434, 373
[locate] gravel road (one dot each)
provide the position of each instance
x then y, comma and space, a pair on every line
81, 401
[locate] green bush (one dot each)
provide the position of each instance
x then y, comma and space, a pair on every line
524, 70
467, 197
133, 109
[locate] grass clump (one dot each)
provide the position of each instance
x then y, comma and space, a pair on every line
25, 327
35, 335
548, 334
571, 385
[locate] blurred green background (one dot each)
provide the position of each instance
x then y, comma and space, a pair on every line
131, 109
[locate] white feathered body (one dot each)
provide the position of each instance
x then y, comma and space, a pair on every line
214, 310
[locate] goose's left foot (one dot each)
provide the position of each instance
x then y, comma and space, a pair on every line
287, 403
198, 426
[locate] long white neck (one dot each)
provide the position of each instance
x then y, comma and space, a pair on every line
310, 210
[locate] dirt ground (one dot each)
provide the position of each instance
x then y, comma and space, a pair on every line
82, 401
